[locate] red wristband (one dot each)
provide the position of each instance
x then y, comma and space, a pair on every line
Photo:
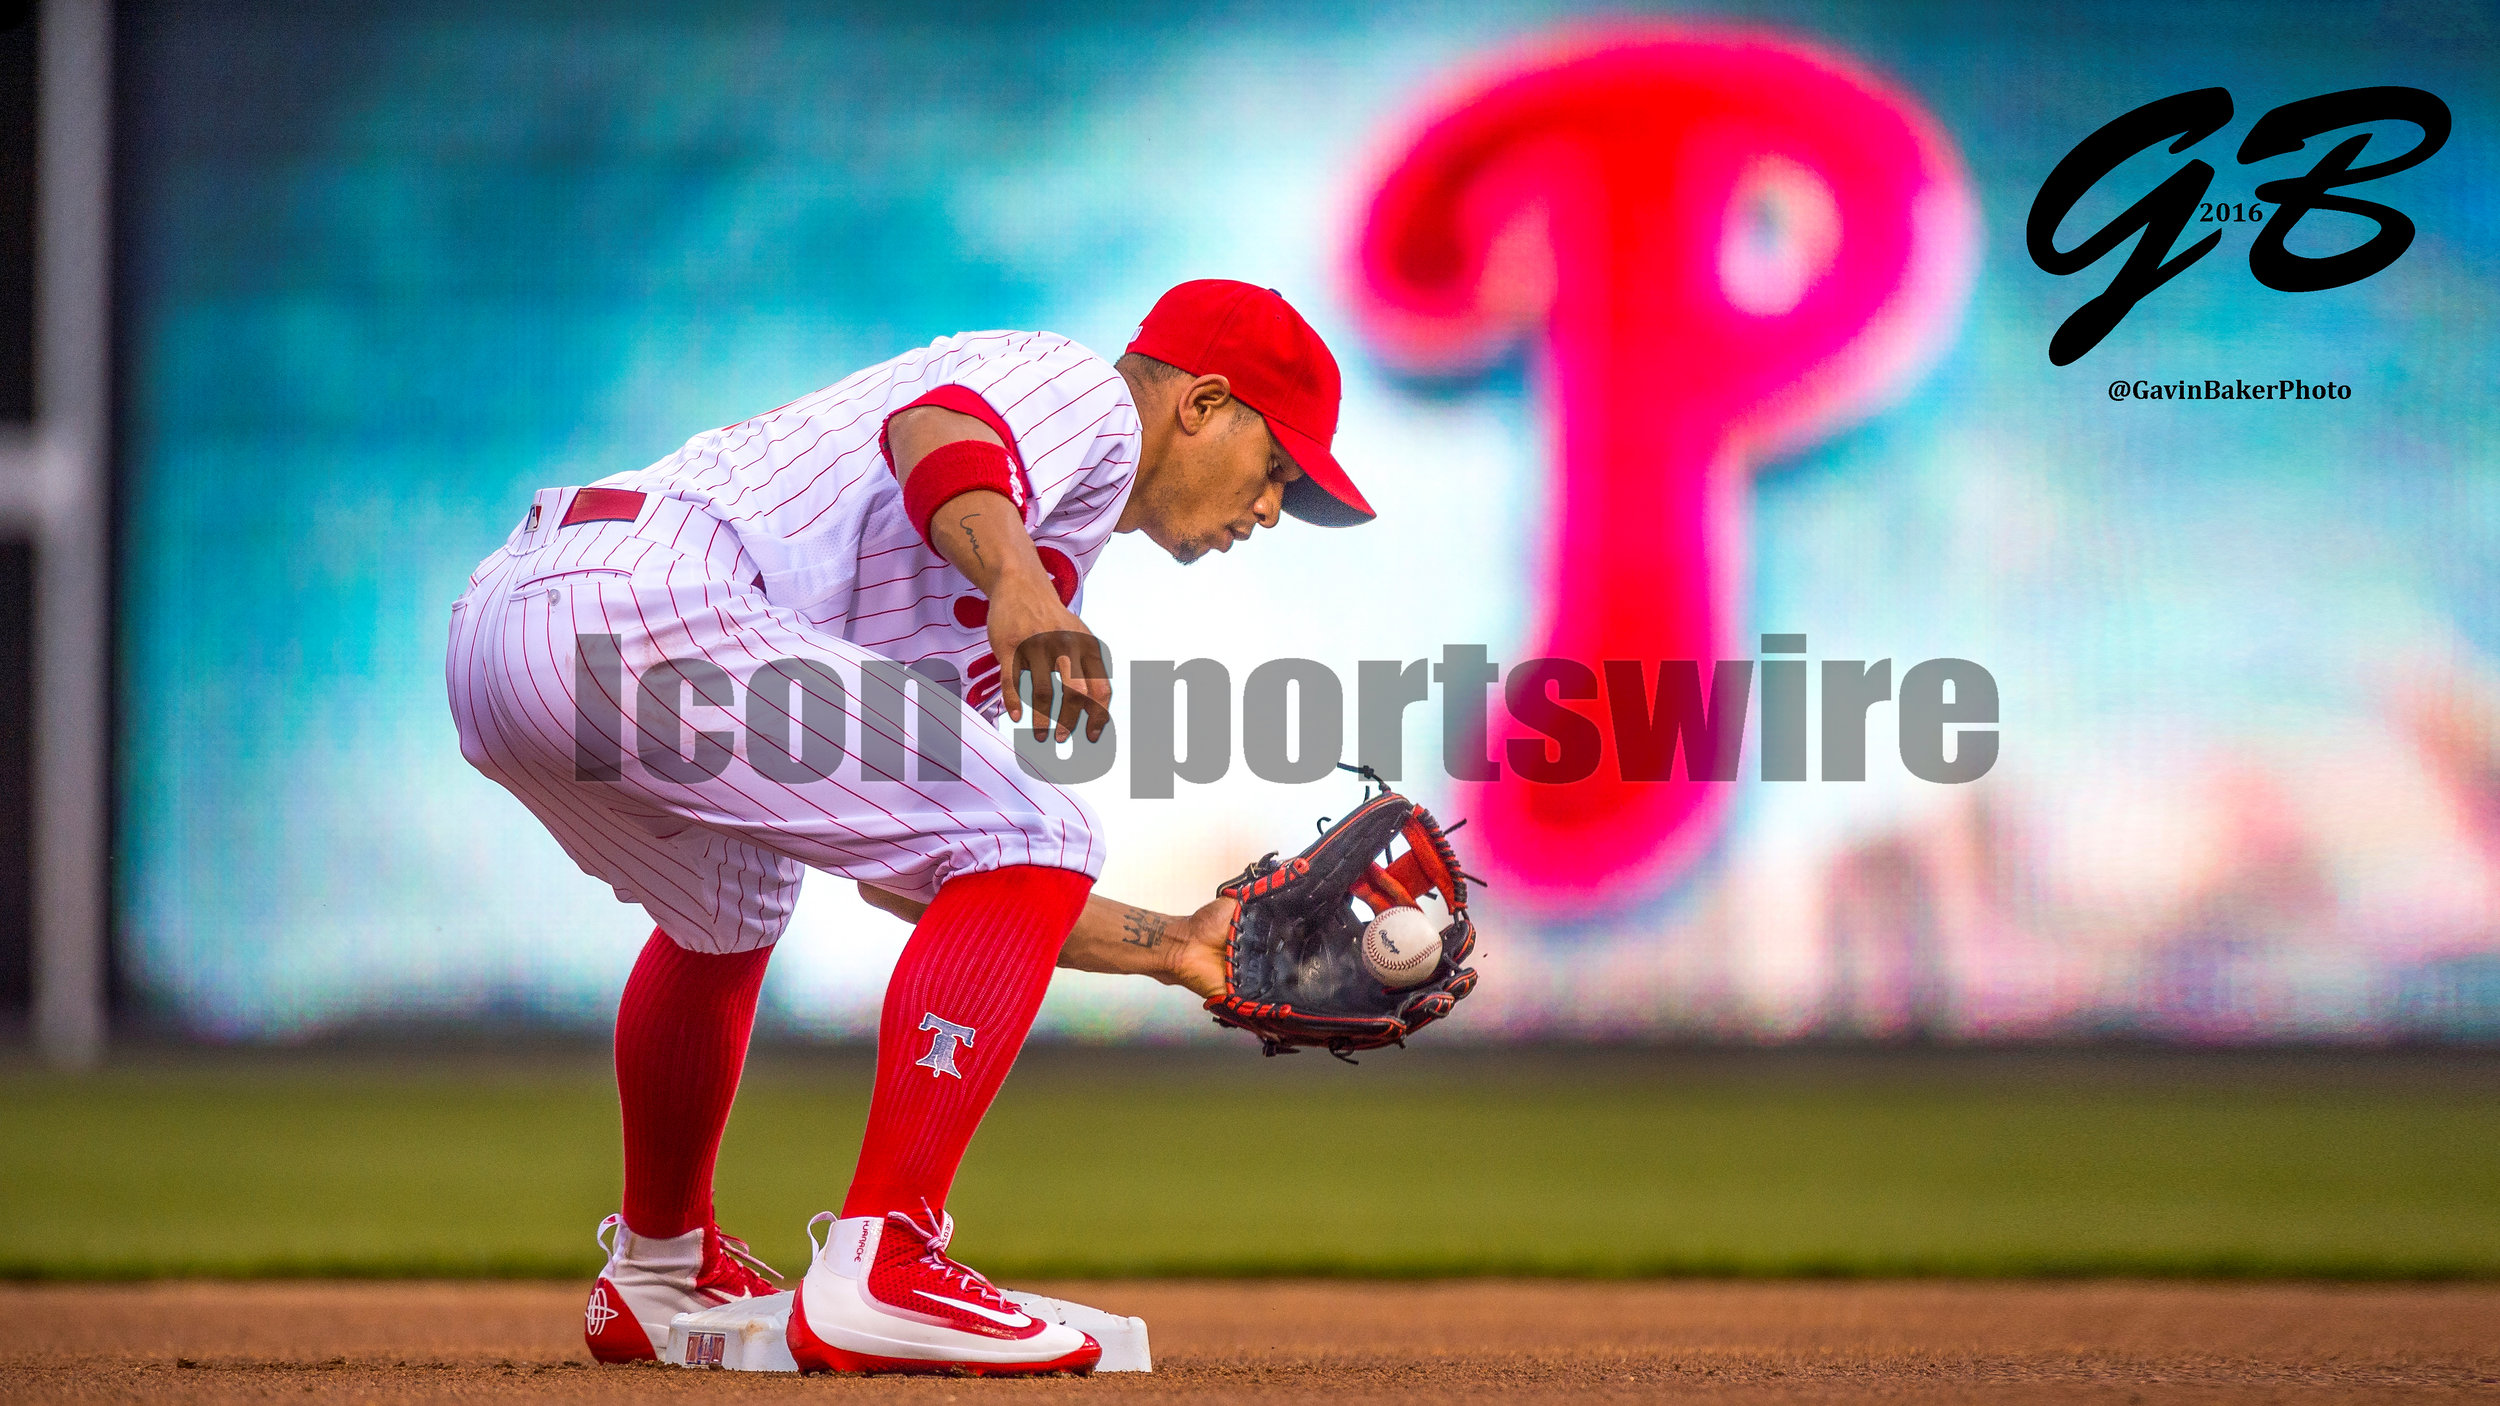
951, 470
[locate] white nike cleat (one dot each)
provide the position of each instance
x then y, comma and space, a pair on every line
881, 1296
648, 1282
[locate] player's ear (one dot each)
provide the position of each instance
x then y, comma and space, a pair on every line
1201, 400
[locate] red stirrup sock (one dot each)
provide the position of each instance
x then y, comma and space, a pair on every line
681, 1040
956, 1012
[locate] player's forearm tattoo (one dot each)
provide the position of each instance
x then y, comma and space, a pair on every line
1145, 929
972, 538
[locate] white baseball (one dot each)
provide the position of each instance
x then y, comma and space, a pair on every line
1400, 948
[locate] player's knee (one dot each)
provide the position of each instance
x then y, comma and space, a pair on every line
741, 902
1064, 833
721, 934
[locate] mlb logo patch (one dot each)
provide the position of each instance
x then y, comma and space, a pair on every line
532, 524
706, 1349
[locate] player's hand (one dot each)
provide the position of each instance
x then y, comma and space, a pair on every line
1197, 960
1030, 631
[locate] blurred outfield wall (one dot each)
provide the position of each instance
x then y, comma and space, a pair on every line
387, 269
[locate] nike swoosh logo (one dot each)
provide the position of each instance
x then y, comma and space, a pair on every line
1004, 1320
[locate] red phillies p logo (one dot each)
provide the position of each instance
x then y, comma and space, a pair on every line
1718, 247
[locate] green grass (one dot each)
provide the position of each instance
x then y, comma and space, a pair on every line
1418, 1163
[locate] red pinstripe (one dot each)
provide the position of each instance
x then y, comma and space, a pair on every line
860, 616
916, 574
1039, 386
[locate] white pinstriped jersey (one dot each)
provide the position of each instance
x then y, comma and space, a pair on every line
717, 852
816, 505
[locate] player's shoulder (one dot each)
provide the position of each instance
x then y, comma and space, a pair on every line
1009, 347
1049, 392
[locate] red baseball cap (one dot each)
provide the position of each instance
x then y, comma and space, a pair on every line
1277, 365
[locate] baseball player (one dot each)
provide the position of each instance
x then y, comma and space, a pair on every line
692, 675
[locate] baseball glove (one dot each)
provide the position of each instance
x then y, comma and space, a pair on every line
1293, 966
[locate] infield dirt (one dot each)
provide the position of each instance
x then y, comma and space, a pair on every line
1333, 1341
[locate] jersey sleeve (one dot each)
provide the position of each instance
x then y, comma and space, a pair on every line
1063, 411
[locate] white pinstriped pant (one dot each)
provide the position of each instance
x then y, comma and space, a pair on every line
717, 860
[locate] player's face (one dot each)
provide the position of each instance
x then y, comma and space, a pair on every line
1226, 484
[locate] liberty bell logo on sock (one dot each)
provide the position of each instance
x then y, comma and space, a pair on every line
941, 1056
